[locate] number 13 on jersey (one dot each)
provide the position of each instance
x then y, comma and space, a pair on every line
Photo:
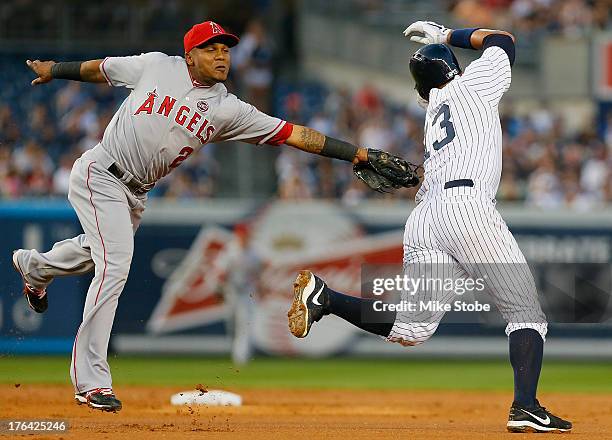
446, 125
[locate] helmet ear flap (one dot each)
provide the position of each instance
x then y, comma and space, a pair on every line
418, 69
423, 92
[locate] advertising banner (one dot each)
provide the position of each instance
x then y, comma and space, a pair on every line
213, 280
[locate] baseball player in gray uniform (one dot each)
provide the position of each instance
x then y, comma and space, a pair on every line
455, 232
175, 107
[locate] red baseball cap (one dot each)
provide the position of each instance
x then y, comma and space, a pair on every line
206, 31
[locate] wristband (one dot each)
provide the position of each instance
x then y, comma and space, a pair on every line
68, 70
461, 38
338, 149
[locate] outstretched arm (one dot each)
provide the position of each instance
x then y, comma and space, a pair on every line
311, 141
87, 71
380, 170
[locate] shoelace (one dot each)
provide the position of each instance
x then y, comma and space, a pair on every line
104, 391
40, 293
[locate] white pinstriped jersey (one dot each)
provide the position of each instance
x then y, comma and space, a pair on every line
463, 137
457, 232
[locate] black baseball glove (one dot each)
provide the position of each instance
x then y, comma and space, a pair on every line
384, 172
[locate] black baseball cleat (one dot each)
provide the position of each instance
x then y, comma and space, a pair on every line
36, 298
102, 399
309, 302
535, 419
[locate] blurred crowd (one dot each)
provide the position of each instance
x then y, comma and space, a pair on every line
43, 130
138, 21
545, 165
572, 18
569, 17
38, 148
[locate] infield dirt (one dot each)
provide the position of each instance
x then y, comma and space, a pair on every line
295, 414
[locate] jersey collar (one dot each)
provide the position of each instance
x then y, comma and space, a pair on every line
195, 83
213, 90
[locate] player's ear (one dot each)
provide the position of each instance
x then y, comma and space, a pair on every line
189, 60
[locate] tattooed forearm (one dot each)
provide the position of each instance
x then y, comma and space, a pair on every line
311, 140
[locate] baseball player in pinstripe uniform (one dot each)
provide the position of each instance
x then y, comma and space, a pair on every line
176, 106
455, 229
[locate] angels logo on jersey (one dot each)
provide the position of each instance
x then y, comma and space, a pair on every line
202, 106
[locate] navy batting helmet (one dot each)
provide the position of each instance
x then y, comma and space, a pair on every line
432, 66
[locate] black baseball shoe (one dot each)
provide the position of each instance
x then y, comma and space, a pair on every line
99, 398
36, 298
535, 419
310, 302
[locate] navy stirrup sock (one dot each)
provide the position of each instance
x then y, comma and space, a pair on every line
350, 309
526, 352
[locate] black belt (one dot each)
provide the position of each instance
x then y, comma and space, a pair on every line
137, 187
458, 182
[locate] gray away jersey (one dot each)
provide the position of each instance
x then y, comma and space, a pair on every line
463, 137
168, 116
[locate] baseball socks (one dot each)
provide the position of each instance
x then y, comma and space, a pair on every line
351, 309
526, 352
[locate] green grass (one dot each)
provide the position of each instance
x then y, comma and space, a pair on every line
331, 373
